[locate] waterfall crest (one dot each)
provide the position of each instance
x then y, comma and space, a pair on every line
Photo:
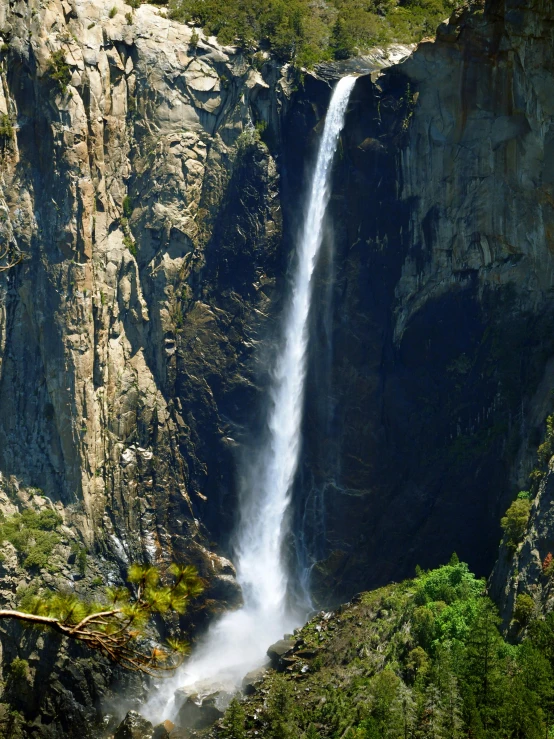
237, 642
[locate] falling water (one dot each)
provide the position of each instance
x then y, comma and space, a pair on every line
237, 642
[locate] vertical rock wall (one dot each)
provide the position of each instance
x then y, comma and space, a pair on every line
442, 320
118, 363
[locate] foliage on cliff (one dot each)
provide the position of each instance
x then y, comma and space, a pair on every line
309, 31
424, 658
33, 534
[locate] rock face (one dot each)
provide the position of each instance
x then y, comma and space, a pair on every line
523, 569
157, 226
253, 680
132, 161
279, 651
435, 328
199, 713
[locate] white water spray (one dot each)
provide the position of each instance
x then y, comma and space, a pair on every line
237, 642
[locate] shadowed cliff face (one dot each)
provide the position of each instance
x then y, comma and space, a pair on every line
441, 317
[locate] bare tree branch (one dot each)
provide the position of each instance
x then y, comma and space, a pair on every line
10, 257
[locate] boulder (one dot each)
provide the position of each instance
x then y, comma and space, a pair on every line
252, 681
134, 726
163, 730
199, 713
279, 649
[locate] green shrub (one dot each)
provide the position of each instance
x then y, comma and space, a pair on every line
176, 313
59, 70
514, 523
233, 725
131, 245
46, 520
39, 548
258, 61
33, 535
80, 557
26, 595
113, 12
546, 449
127, 206
82, 561
19, 669
524, 609
6, 128
248, 138
261, 127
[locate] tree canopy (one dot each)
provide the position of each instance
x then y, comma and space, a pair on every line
309, 31
420, 659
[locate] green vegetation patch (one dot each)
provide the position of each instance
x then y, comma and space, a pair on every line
514, 523
59, 70
6, 128
19, 669
310, 32
423, 658
33, 534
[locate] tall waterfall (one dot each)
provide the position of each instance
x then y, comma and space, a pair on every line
237, 642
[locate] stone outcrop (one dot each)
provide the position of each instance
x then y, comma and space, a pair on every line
522, 567
134, 726
200, 712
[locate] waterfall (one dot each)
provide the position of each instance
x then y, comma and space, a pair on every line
237, 642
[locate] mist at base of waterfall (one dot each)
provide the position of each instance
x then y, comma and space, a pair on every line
234, 645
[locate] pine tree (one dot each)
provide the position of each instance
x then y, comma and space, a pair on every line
234, 721
115, 626
402, 714
483, 673
433, 719
447, 684
452, 703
